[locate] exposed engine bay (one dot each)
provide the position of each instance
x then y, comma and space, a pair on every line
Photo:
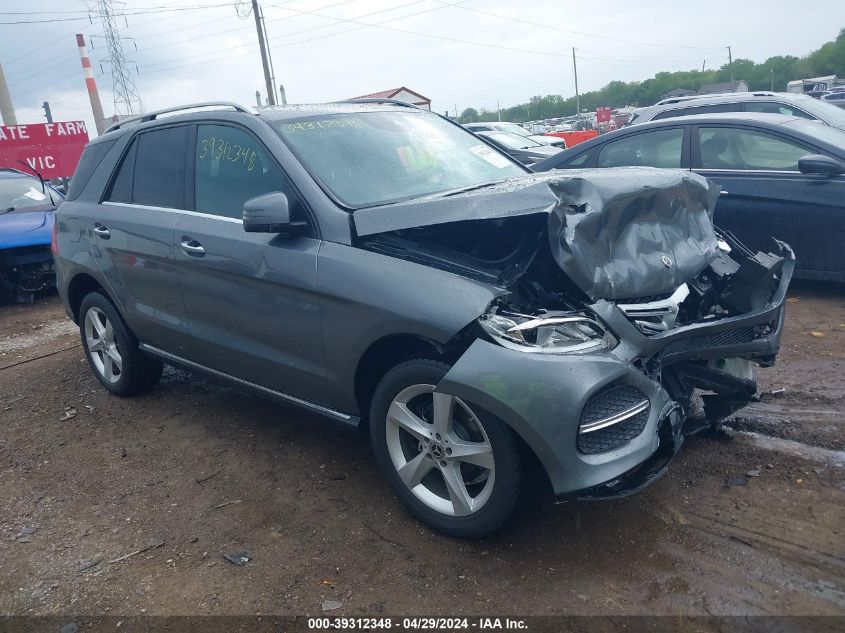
541, 310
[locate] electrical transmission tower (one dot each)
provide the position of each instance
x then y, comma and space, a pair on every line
126, 98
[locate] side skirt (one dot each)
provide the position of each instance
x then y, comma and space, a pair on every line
260, 390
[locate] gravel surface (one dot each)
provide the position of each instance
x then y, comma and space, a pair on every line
199, 499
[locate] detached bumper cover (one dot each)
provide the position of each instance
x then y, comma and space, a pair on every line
542, 396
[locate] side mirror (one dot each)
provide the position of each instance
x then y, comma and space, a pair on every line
819, 164
269, 214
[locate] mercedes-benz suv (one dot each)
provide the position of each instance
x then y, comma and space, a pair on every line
380, 265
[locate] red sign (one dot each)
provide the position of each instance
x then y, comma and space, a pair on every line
603, 115
52, 149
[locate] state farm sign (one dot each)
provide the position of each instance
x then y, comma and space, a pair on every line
52, 149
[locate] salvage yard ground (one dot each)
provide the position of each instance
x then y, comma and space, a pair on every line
130, 506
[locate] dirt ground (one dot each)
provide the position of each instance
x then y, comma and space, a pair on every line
191, 472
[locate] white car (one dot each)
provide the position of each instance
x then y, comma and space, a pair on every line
514, 128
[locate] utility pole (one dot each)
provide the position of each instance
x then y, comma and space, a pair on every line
283, 95
731, 66
499, 111
7, 110
47, 112
577, 96
271, 92
702, 65
773, 79
258, 98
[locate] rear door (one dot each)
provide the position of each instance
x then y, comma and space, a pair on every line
131, 233
764, 194
251, 298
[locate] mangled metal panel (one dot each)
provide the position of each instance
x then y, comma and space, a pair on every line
616, 233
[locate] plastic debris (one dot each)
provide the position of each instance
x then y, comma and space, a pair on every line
240, 558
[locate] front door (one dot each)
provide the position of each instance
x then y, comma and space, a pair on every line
764, 194
251, 298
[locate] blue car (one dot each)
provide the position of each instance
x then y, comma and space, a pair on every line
781, 176
27, 217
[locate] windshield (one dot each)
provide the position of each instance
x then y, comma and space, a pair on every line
513, 128
513, 141
371, 158
827, 112
825, 133
20, 193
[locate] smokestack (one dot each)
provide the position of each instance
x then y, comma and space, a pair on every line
93, 95
7, 110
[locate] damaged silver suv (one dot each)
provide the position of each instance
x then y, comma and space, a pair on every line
378, 264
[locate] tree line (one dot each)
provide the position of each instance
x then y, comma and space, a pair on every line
772, 74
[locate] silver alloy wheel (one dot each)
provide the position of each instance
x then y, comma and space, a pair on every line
102, 346
446, 461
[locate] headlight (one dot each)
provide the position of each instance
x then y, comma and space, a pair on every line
550, 333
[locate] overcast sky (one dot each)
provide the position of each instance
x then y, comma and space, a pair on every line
457, 53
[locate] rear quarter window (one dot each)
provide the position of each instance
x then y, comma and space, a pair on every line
91, 158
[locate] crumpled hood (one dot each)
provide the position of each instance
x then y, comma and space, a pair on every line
616, 233
26, 228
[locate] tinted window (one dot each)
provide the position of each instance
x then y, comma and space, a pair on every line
579, 161
773, 107
91, 158
710, 109
661, 148
232, 167
735, 148
121, 187
160, 168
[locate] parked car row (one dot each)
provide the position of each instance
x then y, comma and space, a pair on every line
780, 175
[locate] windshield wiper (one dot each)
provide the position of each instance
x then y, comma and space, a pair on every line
455, 192
7, 210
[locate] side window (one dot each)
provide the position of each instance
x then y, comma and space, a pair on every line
121, 187
773, 107
232, 167
711, 109
661, 148
159, 175
736, 148
578, 161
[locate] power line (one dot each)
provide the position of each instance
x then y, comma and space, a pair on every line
251, 46
582, 33
117, 14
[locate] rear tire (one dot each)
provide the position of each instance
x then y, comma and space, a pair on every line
112, 350
454, 466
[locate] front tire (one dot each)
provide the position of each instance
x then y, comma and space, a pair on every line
454, 466
112, 350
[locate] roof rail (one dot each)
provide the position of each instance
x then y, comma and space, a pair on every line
375, 100
151, 116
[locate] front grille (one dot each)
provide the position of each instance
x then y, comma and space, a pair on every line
603, 407
709, 341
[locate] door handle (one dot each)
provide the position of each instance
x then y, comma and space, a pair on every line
723, 192
101, 230
192, 246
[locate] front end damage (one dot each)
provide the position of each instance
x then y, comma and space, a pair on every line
620, 304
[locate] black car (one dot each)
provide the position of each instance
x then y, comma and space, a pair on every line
780, 175
522, 148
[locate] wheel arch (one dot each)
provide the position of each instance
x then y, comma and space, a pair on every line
81, 285
385, 353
